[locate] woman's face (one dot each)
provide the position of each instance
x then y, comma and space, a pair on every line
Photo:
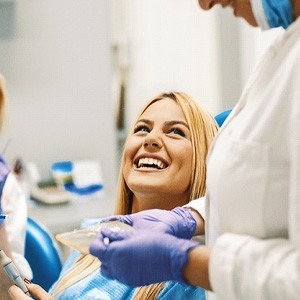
158, 153
241, 8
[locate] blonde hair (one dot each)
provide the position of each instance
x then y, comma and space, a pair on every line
2, 100
203, 129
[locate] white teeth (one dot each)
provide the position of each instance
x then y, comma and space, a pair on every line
148, 162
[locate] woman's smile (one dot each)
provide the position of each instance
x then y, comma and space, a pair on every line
150, 163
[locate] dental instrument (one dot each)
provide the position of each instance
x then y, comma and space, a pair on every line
12, 272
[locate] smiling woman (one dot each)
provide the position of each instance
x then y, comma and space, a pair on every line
173, 129
163, 166
158, 155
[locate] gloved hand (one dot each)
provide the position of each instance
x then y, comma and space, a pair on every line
178, 222
4, 170
140, 257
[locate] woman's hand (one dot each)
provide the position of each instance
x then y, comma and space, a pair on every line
35, 290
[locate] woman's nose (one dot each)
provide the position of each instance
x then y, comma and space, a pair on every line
152, 142
206, 4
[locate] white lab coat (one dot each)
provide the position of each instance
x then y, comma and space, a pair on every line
14, 205
253, 184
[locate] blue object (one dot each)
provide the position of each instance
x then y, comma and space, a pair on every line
93, 188
140, 257
279, 13
62, 172
64, 166
221, 117
272, 13
4, 171
42, 255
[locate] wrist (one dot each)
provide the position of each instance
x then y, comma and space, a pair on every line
196, 270
186, 225
179, 258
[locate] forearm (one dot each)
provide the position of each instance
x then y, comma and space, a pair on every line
200, 222
196, 270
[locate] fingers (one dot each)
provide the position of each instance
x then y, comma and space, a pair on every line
16, 293
99, 245
111, 218
38, 292
115, 235
124, 219
35, 290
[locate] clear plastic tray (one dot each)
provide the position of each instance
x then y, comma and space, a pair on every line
80, 239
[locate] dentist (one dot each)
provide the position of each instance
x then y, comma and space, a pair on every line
252, 208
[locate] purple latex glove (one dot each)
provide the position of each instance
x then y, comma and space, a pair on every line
4, 170
140, 257
178, 222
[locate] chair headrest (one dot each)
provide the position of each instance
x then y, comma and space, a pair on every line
221, 117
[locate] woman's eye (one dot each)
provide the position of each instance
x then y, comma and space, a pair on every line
141, 129
177, 131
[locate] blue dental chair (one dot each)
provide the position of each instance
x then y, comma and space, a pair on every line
221, 117
42, 254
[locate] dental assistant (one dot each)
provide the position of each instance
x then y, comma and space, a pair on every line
252, 208
13, 212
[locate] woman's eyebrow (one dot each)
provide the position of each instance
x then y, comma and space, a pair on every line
174, 122
144, 121
177, 122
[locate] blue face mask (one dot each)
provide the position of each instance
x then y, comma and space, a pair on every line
272, 13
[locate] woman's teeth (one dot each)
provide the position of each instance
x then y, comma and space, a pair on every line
150, 163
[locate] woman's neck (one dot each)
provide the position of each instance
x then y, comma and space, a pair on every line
141, 203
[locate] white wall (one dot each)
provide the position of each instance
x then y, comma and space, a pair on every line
172, 45
56, 58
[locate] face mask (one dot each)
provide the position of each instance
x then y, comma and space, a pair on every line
272, 13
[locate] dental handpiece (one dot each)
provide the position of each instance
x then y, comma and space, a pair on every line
12, 272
